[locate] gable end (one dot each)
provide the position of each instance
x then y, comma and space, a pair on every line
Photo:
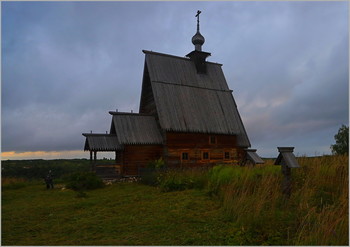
147, 104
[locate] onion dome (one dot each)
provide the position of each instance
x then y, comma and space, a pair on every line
198, 56
198, 40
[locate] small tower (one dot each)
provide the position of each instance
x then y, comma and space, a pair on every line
198, 39
198, 56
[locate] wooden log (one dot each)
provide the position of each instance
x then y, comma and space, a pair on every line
95, 160
91, 163
138, 156
287, 180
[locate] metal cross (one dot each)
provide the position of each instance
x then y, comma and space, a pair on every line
197, 15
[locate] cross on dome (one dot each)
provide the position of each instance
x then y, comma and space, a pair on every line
198, 39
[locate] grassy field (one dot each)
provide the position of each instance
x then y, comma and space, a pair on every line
224, 206
315, 214
120, 214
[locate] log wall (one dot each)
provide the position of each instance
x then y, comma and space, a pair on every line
196, 145
201, 150
138, 156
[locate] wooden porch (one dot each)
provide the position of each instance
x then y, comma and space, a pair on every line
106, 169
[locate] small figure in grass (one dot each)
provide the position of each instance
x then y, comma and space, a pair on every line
49, 181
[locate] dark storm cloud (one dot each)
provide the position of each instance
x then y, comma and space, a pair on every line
292, 85
66, 64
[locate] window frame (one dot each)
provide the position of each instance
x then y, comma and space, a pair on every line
213, 138
229, 155
205, 152
186, 154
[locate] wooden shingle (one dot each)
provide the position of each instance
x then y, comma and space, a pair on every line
254, 157
286, 157
187, 101
101, 142
134, 128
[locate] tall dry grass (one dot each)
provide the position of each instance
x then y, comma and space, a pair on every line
13, 183
6, 181
324, 201
315, 214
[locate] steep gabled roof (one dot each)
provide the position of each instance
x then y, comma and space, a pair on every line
254, 157
101, 142
133, 128
182, 71
186, 101
286, 157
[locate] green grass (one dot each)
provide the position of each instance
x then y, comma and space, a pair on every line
224, 206
315, 214
120, 214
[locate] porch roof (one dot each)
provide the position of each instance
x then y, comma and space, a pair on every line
101, 142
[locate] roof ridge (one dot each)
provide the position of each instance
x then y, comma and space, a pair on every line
184, 85
173, 56
97, 134
130, 113
164, 54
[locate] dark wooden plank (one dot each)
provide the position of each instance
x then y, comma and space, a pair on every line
138, 156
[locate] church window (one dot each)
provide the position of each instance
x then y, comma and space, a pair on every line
205, 155
184, 156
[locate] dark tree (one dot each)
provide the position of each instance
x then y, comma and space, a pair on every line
341, 145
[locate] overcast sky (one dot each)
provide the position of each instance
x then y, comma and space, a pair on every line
66, 64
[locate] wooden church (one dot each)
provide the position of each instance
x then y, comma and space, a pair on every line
187, 116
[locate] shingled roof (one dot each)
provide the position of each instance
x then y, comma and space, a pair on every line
187, 101
134, 128
286, 157
253, 156
101, 142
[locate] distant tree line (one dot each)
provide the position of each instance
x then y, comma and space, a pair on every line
37, 169
341, 146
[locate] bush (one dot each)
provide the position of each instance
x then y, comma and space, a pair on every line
84, 181
149, 176
219, 176
176, 180
156, 164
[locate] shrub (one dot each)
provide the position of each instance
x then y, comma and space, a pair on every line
149, 176
84, 181
156, 164
172, 181
176, 180
219, 176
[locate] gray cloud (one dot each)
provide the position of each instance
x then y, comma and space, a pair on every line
66, 64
